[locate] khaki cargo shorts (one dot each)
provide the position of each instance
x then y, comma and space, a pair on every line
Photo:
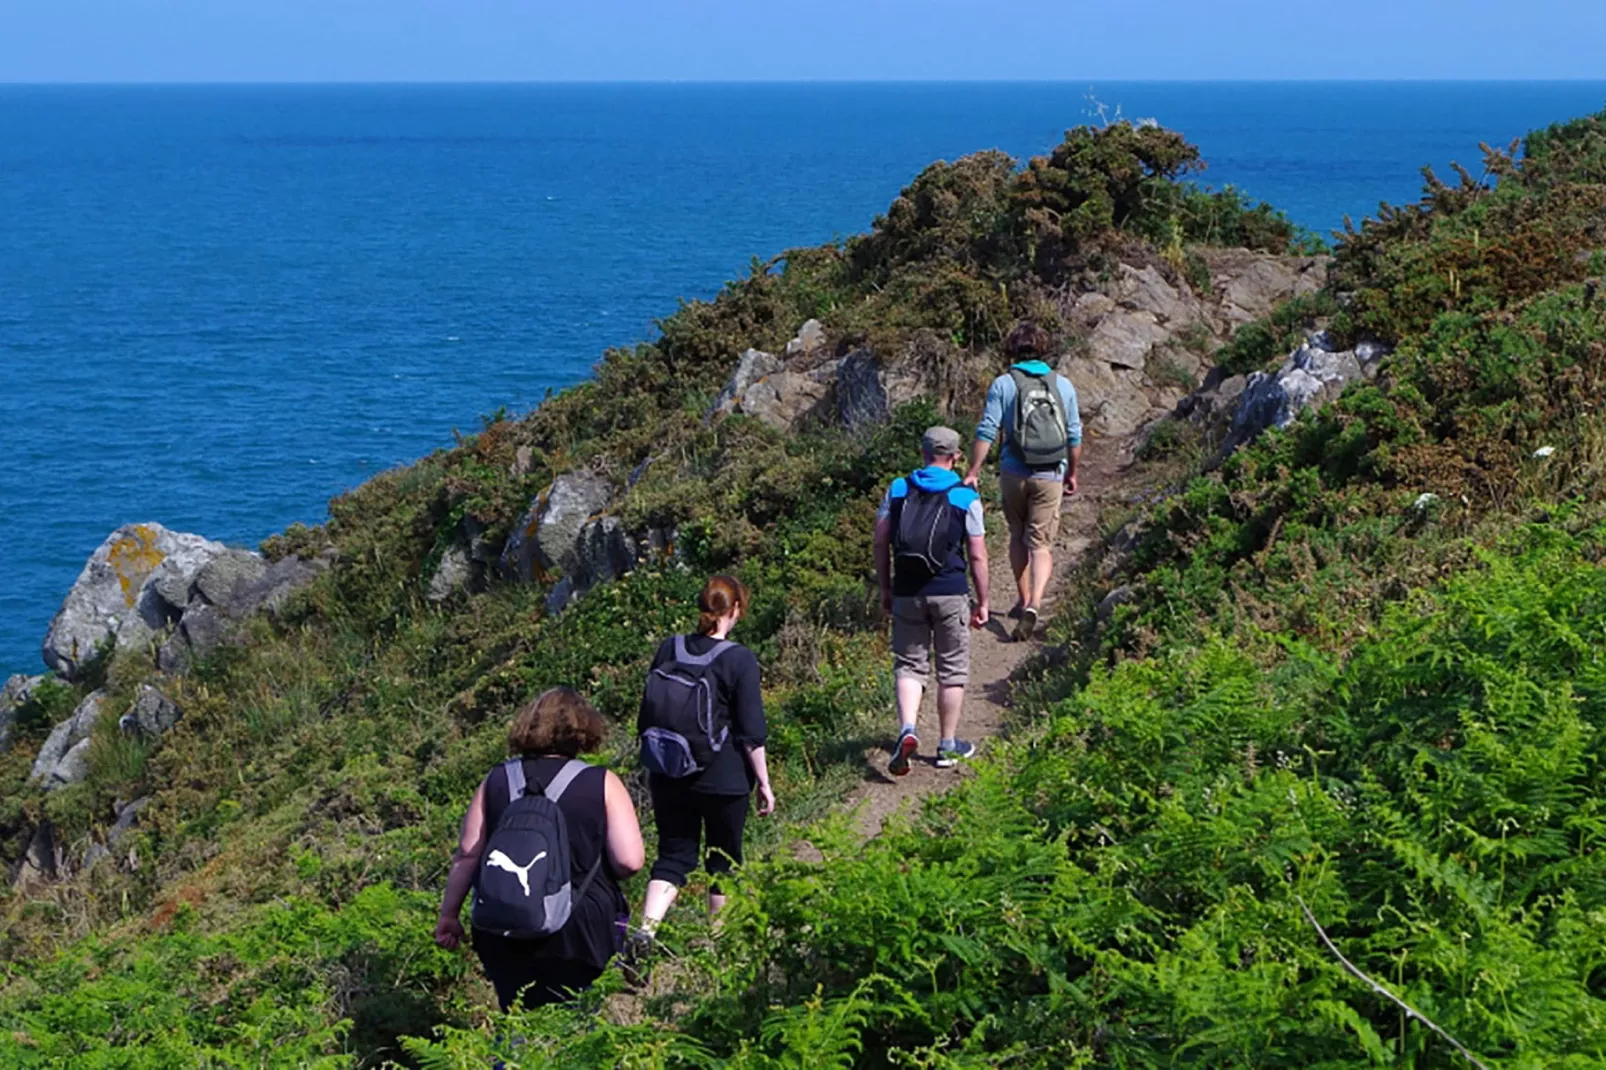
1032, 509
923, 624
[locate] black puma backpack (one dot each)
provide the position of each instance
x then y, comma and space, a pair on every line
522, 889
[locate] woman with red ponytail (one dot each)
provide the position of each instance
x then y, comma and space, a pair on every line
703, 731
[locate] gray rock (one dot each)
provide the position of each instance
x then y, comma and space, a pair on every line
810, 336
752, 367
222, 580
787, 399
523, 462
605, 551
1250, 285
453, 574
563, 592
544, 540
279, 581
1113, 399
867, 390
765, 388
1120, 596
109, 602
1126, 338
1146, 290
1212, 406
127, 819
42, 859
73, 767
65, 736
203, 629
463, 565
1311, 376
17, 690
153, 713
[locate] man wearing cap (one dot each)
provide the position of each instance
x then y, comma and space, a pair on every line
928, 532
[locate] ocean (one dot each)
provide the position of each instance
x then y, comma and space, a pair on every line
221, 306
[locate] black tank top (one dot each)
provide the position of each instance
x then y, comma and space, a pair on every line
595, 928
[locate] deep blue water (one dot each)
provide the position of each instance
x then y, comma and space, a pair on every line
219, 306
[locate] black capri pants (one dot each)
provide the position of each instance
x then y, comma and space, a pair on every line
683, 816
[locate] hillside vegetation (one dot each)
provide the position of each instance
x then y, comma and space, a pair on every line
1358, 674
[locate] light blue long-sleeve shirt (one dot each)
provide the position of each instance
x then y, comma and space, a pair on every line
1001, 400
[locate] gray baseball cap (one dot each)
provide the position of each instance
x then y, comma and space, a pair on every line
940, 441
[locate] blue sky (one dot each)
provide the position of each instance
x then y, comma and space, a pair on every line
795, 40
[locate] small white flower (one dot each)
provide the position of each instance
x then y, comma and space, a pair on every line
1544, 451
1424, 500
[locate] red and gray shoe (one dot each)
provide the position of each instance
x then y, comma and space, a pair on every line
903, 750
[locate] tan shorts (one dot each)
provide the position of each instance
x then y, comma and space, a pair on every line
922, 624
1032, 509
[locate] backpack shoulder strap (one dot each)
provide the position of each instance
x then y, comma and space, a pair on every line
698, 661
513, 769
565, 776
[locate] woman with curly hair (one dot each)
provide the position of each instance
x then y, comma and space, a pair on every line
604, 838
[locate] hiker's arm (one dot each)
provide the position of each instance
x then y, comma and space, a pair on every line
751, 728
978, 457
626, 853
759, 760
978, 570
992, 417
883, 560
1073, 434
470, 842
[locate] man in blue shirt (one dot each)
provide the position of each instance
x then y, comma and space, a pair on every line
928, 529
1032, 496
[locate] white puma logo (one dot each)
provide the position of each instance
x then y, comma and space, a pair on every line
502, 861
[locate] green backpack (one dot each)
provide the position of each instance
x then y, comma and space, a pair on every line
1039, 429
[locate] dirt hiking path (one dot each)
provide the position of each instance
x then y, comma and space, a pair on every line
995, 657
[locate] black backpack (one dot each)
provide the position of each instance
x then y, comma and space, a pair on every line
522, 889
923, 537
1038, 427
682, 727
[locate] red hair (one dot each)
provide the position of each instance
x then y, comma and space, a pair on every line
720, 595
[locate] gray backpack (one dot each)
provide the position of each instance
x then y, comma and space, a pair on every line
1039, 429
679, 724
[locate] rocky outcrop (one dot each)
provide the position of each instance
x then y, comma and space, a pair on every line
465, 562
603, 551
123, 594
867, 390
544, 540
1314, 374
127, 820
153, 713
563, 534
783, 394
225, 591
811, 384
43, 858
1144, 340
63, 758
17, 690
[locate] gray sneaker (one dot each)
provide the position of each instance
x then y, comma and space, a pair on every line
1027, 625
950, 753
